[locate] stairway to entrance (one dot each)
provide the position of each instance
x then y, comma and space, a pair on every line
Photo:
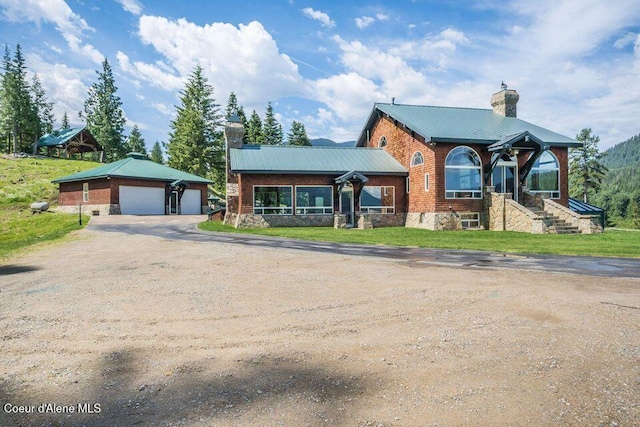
555, 224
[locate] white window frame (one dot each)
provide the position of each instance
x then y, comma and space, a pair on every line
414, 158
85, 191
549, 194
426, 182
470, 219
259, 210
383, 209
475, 194
304, 209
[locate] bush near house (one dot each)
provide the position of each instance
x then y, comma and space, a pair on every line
27, 180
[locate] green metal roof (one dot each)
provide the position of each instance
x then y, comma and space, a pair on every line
134, 167
52, 140
313, 160
467, 125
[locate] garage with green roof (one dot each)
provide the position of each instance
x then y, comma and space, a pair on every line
134, 186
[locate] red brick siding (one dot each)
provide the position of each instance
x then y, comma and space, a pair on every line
106, 191
248, 181
401, 145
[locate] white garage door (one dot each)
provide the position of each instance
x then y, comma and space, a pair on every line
191, 203
141, 200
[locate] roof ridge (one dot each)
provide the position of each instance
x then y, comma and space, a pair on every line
315, 147
433, 106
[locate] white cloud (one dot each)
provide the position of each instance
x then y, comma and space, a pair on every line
627, 39
70, 25
151, 73
245, 60
132, 6
364, 22
382, 17
322, 17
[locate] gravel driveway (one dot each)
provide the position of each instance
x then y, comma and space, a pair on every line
136, 329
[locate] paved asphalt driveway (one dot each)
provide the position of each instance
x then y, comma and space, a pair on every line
184, 228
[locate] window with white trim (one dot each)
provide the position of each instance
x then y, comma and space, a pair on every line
470, 219
426, 182
314, 200
85, 191
544, 178
383, 142
463, 174
377, 199
417, 159
272, 200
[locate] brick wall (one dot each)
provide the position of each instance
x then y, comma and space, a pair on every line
247, 181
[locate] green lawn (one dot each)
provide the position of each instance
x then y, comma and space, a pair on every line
22, 182
610, 243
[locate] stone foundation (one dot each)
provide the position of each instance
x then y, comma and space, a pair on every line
266, 221
388, 220
89, 209
433, 220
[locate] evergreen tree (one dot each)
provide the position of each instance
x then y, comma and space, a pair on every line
196, 143
234, 108
586, 170
42, 112
5, 102
254, 129
634, 210
18, 122
104, 116
65, 121
271, 129
156, 153
298, 135
136, 144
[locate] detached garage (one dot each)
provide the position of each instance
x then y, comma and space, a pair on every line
134, 186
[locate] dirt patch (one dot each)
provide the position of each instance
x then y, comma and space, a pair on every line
160, 332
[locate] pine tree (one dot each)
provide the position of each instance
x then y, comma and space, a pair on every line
5, 100
196, 143
271, 129
254, 129
135, 143
633, 211
104, 116
42, 115
156, 153
298, 135
586, 170
65, 121
18, 126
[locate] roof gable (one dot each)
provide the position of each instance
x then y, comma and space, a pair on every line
312, 160
134, 168
469, 125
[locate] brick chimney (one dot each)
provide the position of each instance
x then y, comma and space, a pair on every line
504, 102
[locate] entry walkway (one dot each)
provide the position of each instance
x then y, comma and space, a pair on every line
184, 228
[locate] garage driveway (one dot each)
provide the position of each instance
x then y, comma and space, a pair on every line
184, 227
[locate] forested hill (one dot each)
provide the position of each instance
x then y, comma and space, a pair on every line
622, 183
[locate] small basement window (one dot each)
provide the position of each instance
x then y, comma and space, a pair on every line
85, 191
470, 220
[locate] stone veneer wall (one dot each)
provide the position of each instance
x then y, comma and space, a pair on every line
505, 214
588, 224
433, 220
387, 220
88, 209
266, 221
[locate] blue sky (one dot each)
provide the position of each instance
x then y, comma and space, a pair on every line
575, 63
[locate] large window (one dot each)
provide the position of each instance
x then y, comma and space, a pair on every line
544, 177
272, 200
377, 199
463, 174
314, 200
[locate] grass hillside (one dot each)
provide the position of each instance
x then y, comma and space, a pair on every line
27, 180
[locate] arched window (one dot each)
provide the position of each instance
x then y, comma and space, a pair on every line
417, 159
463, 174
383, 142
544, 177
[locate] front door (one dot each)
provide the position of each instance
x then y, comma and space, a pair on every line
505, 176
173, 203
346, 204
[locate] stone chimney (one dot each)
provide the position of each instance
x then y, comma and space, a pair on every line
504, 102
233, 133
